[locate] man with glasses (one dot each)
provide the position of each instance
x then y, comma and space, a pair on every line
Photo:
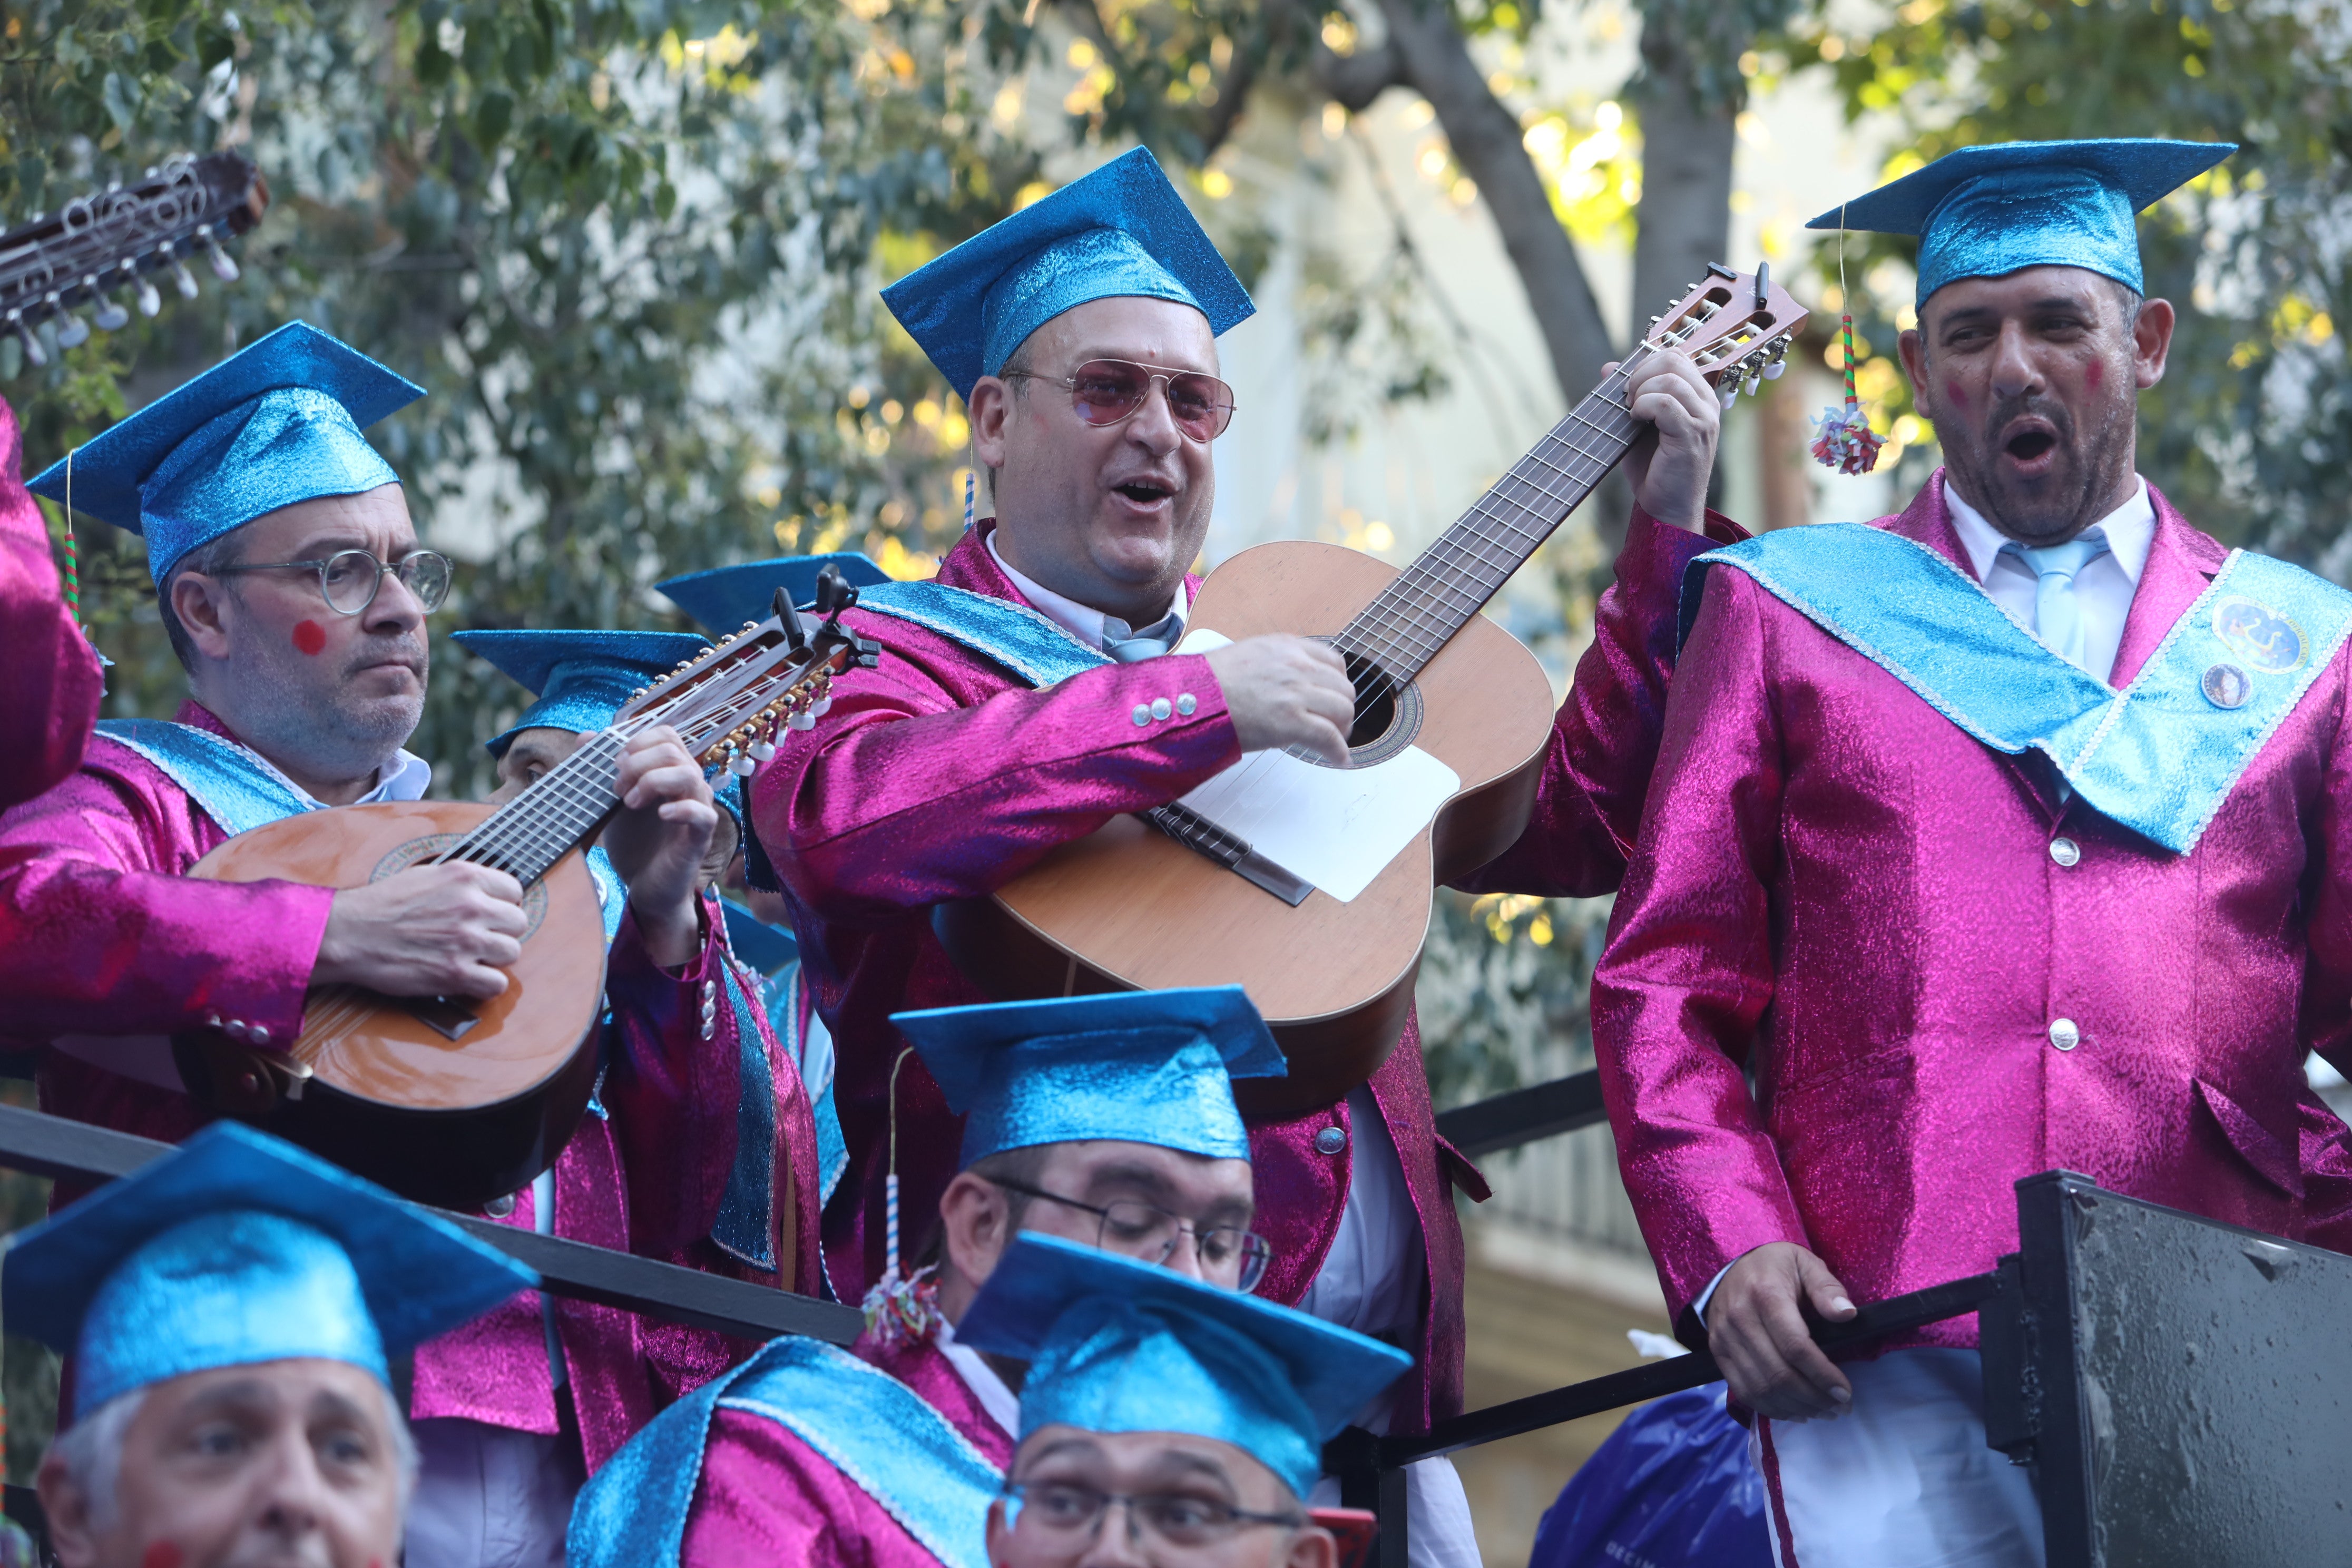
1163, 1422
290, 583
1029, 694
1106, 1120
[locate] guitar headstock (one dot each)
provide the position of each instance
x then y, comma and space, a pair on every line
1736, 326
730, 704
96, 245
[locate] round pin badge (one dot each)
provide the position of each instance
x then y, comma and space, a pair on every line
2260, 636
2226, 686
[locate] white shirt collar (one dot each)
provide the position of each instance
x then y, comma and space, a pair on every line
407, 777
1003, 1407
2131, 531
1089, 625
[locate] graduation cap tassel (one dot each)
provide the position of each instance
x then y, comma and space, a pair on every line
899, 1311
1846, 442
73, 553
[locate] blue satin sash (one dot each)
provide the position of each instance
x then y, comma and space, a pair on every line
873, 1429
1031, 645
236, 789
2159, 756
746, 1226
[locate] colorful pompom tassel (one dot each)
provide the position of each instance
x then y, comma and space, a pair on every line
1846, 442
903, 1311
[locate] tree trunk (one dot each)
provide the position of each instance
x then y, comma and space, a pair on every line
1434, 58
1687, 150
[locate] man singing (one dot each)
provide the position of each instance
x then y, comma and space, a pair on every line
1081, 334
2006, 833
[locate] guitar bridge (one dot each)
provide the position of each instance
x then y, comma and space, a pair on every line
1204, 838
444, 1015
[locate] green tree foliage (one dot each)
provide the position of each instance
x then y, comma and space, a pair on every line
630, 250
2247, 428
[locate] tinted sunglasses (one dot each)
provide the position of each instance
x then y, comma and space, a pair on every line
1103, 392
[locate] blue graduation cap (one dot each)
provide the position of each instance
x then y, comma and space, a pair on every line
1120, 231
764, 947
582, 678
1143, 1066
724, 597
1116, 1345
275, 422
1985, 212
237, 1249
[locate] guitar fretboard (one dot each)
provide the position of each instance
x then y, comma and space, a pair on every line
1415, 616
526, 836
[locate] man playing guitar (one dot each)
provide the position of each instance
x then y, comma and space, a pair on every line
1081, 332
296, 595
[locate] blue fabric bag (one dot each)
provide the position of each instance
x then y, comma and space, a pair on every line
1672, 1488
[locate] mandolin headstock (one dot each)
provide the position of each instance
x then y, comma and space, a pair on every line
94, 246
730, 704
1736, 326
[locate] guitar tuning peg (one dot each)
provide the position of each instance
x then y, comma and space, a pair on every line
803, 721
1773, 372
1730, 395
183, 279
110, 315
821, 707
763, 751
1752, 383
149, 302
72, 331
224, 265
34, 354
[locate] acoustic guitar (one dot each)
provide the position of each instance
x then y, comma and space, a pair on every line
85, 252
453, 1102
1311, 885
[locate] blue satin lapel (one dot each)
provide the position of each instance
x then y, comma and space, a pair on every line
1016, 636
876, 1431
2160, 756
236, 789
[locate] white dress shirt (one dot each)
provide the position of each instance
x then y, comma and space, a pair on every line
1083, 622
2102, 589
1003, 1407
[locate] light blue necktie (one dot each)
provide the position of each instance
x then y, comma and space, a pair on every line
2057, 612
1133, 648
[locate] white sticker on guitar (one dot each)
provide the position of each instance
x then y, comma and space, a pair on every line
1337, 827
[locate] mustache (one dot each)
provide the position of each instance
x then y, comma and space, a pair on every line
406, 651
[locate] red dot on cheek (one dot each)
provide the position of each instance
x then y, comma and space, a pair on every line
1952, 390
162, 1554
310, 637
2094, 374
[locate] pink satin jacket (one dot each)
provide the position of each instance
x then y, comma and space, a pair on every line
49, 679
767, 1497
938, 775
1842, 894
101, 933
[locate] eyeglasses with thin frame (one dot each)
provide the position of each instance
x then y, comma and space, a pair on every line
1148, 1232
350, 579
1104, 391
1069, 1514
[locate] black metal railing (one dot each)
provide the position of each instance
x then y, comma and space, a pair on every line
51, 1146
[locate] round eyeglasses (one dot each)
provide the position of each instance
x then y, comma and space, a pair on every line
1230, 1256
1103, 392
351, 578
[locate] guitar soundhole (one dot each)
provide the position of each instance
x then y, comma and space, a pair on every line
1387, 717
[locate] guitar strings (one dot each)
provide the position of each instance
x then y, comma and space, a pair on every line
1404, 608
1407, 624
1409, 608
